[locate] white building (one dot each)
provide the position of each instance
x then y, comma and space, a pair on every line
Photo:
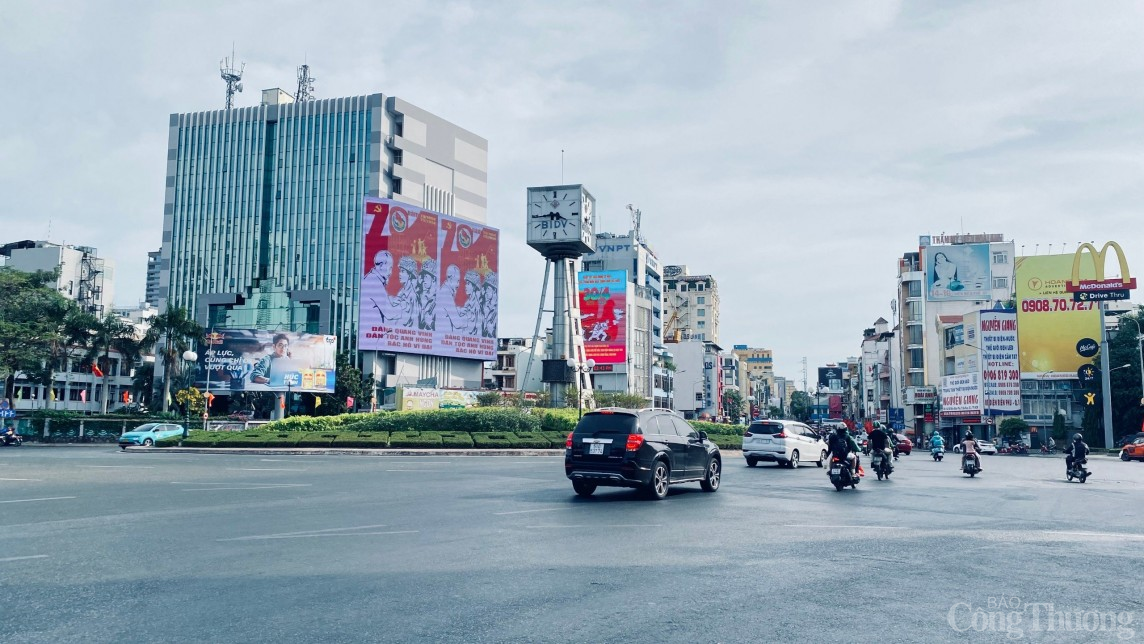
691, 304
84, 277
697, 377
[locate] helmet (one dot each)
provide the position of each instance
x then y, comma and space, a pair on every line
968, 434
1078, 437
840, 430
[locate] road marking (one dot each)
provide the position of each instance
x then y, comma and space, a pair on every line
21, 479
844, 527
48, 498
306, 536
265, 469
135, 467
1106, 535
618, 525
412, 470
248, 487
526, 511
23, 558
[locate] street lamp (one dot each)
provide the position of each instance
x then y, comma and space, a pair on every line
580, 368
189, 356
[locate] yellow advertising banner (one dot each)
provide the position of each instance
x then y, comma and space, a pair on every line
1049, 322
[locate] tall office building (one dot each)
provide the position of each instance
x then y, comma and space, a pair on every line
262, 221
152, 295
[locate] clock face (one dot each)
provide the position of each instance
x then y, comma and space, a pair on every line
554, 215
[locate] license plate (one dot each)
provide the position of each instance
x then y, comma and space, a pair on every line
596, 448
837, 470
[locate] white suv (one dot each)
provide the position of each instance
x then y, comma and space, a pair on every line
785, 442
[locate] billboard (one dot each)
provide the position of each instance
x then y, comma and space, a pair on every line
961, 395
958, 273
429, 283
603, 304
1000, 362
421, 398
830, 378
254, 360
1049, 322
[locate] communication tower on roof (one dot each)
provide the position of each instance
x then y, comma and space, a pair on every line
232, 76
305, 85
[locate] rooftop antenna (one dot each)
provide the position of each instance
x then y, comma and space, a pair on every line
305, 84
232, 76
636, 216
561, 166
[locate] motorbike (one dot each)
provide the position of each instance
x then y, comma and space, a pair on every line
841, 475
1078, 471
937, 453
15, 440
1019, 449
968, 466
880, 463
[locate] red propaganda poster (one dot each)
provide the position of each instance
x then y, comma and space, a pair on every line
400, 278
603, 307
468, 292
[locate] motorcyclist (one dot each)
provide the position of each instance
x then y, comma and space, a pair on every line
880, 442
843, 445
9, 435
969, 447
1078, 452
936, 442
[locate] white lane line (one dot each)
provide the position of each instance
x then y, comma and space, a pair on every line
22, 480
131, 467
526, 511
619, 525
844, 527
1104, 535
23, 558
412, 470
247, 487
48, 498
360, 527
264, 469
305, 536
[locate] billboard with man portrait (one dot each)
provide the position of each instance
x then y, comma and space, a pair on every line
234, 360
429, 283
958, 272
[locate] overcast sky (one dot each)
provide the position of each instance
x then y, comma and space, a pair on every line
794, 150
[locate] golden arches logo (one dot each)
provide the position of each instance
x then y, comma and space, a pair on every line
1098, 260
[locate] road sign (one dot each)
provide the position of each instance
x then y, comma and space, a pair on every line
1087, 348
7, 413
1087, 374
1101, 296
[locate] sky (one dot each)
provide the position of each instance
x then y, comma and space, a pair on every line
793, 150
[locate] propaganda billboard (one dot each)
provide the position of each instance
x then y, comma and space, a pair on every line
958, 273
429, 283
1049, 322
603, 303
237, 360
1000, 362
961, 395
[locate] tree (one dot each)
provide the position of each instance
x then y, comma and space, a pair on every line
800, 406
112, 334
617, 399
349, 383
143, 382
177, 332
192, 401
489, 399
1060, 431
1127, 412
734, 407
1012, 428
29, 319
775, 412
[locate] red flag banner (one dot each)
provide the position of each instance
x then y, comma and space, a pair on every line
349, 401
96, 370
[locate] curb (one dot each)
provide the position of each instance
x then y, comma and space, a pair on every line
323, 451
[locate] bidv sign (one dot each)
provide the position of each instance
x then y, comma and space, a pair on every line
1100, 289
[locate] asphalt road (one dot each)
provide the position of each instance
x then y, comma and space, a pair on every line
104, 546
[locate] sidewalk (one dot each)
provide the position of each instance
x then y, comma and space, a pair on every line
347, 451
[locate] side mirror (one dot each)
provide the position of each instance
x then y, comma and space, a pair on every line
702, 436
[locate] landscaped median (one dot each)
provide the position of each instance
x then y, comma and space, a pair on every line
478, 428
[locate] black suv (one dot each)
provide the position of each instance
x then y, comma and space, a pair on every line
644, 448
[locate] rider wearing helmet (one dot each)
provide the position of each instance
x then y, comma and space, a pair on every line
880, 441
969, 447
843, 446
1077, 451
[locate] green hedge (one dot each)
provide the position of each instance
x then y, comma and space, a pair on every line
287, 439
245, 439
200, 438
415, 439
456, 440
536, 440
717, 429
375, 440
315, 439
168, 442
726, 442
493, 440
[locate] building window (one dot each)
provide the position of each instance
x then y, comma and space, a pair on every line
702, 313
1000, 257
701, 324
914, 288
1001, 282
701, 300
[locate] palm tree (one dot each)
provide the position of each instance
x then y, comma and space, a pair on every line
74, 332
112, 334
178, 333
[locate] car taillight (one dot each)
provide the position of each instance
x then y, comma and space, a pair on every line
634, 442
568, 443
747, 434
781, 435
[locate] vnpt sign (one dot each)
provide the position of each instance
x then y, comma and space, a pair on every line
1100, 288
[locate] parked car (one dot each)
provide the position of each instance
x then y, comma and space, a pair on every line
1133, 451
904, 444
785, 442
1128, 439
149, 433
987, 447
648, 449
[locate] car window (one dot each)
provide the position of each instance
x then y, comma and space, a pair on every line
681, 426
766, 428
654, 425
605, 422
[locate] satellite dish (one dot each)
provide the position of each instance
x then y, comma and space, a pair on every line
238, 87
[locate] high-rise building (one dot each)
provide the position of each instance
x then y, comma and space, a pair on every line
644, 314
691, 304
84, 277
265, 204
152, 294
757, 377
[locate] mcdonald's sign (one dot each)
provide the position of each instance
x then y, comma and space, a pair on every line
1099, 285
